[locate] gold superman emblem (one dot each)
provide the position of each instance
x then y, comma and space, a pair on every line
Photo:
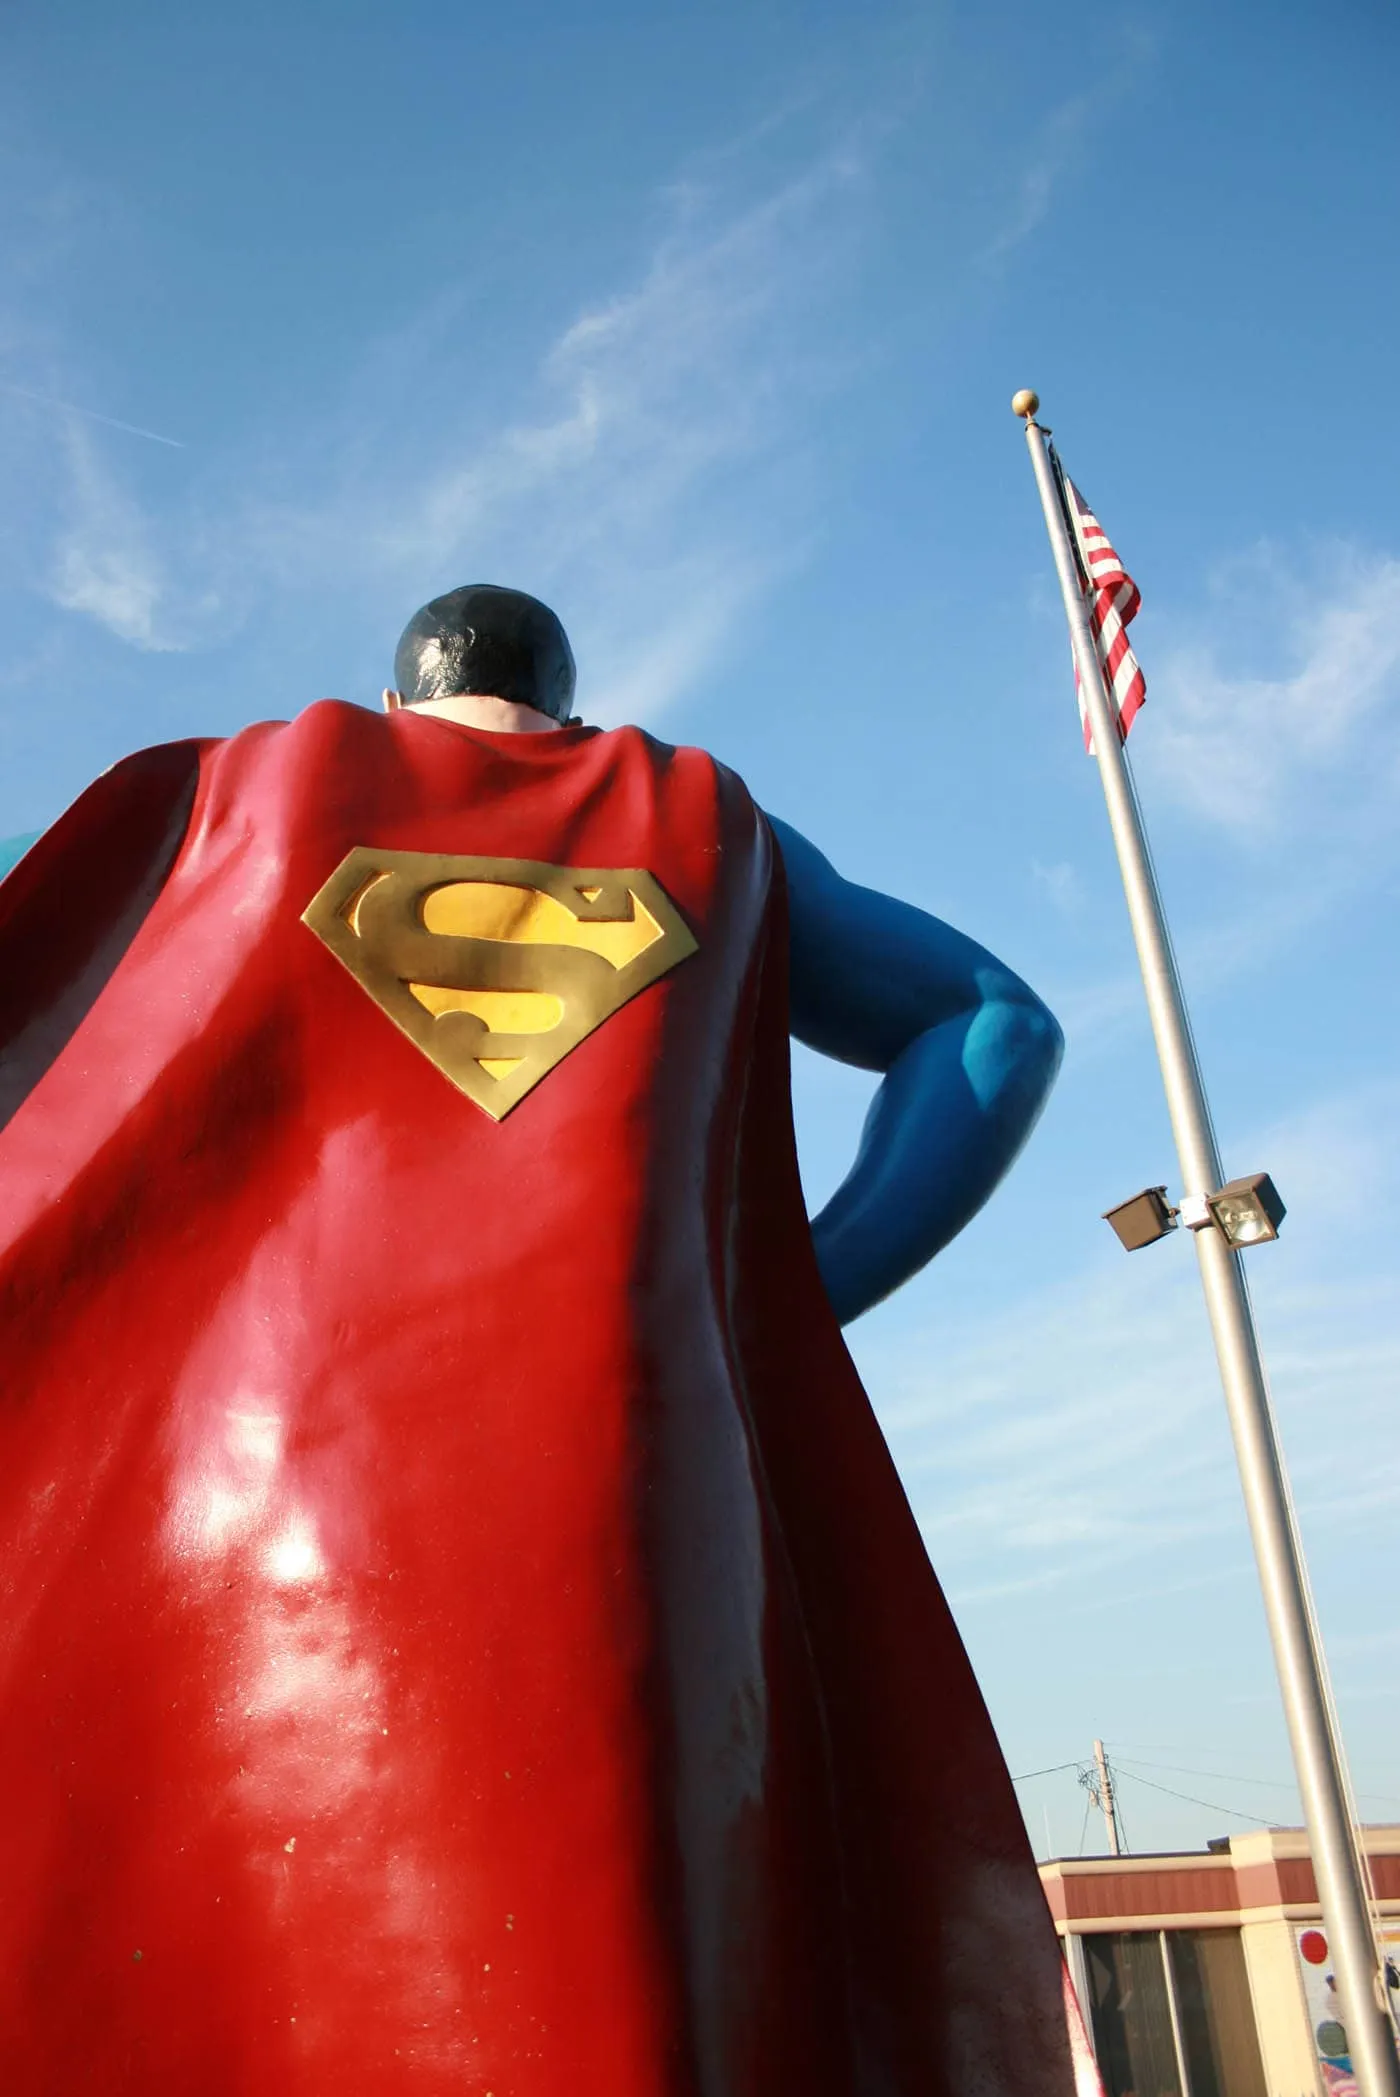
496, 968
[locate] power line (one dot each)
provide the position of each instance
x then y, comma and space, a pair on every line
1225, 1776
1260, 1819
1220, 1776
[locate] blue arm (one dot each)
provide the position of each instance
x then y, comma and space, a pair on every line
968, 1055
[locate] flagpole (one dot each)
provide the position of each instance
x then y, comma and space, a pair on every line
1277, 1548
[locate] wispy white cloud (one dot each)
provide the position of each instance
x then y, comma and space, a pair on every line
1295, 775
653, 466
1055, 152
655, 485
67, 408
104, 561
650, 472
1246, 932
1060, 1441
1249, 751
1057, 146
1083, 1431
1339, 1155
1061, 884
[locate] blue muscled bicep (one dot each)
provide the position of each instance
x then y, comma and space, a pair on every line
869, 974
967, 1054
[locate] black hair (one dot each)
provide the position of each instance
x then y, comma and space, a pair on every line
485, 639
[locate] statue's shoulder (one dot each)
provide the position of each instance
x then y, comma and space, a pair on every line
326, 725
685, 757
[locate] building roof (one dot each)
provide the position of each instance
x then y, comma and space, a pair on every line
1265, 1875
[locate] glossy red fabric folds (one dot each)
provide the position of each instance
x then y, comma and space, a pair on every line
462, 1631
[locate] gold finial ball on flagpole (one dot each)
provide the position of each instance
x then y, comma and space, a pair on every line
1025, 403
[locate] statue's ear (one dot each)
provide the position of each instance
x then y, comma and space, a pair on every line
392, 701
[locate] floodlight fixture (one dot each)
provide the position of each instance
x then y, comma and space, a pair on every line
1143, 1220
1247, 1211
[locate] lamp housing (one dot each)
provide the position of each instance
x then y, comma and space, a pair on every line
1247, 1211
1142, 1220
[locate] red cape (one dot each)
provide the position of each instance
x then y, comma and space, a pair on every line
462, 1629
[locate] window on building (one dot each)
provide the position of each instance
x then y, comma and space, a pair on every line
1217, 2014
1131, 2015
1131, 1990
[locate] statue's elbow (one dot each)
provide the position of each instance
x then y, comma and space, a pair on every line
1040, 1043
1034, 1047
1044, 1042
1011, 1053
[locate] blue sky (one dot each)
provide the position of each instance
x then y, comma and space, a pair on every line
703, 324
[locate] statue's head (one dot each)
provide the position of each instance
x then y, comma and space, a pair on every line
484, 639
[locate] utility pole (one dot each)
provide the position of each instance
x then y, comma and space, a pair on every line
1107, 1800
1098, 1782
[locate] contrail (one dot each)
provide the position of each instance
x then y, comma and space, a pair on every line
133, 429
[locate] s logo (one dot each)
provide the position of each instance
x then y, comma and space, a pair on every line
496, 968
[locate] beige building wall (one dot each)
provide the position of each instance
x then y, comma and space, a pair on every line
1280, 2012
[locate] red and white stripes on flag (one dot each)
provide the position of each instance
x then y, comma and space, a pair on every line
1113, 600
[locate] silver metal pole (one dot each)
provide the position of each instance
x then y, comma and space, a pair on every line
1183, 2066
1277, 1548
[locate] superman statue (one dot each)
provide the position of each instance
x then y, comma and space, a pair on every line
462, 1630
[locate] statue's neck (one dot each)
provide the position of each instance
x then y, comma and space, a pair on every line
478, 710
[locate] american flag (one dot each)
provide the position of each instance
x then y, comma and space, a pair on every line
1113, 601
